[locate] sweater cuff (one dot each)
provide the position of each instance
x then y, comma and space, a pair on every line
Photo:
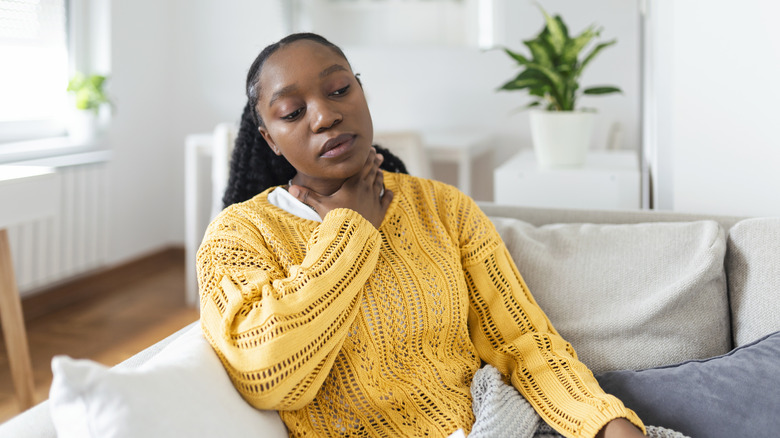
614, 411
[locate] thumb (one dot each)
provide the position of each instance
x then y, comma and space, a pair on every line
304, 195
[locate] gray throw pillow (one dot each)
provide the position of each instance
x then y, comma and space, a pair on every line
734, 395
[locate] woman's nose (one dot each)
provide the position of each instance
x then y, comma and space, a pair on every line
324, 116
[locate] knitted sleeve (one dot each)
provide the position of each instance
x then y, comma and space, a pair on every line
278, 331
512, 333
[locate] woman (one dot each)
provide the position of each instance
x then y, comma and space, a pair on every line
361, 302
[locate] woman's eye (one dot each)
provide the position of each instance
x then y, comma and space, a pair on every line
340, 91
293, 114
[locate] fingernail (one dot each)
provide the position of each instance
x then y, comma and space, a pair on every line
295, 191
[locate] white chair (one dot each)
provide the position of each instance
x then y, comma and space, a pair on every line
409, 147
207, 166
224, 139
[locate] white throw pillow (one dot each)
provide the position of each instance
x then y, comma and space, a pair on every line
628, 296
182, 391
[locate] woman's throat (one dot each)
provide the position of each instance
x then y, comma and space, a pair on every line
320, 187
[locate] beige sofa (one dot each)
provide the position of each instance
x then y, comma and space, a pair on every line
631, 290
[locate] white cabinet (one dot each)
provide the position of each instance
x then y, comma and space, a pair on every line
608, 180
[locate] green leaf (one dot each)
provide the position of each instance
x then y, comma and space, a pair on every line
88, 91
531, 73
563, 27
575, 45
548, 74
97, 81
556, 34
76, 82
593, 54
519, 84
541, 51
602, 90
522, 60
541, 91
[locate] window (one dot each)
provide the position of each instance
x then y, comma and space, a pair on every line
34, 75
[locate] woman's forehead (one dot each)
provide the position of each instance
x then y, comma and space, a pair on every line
299, 59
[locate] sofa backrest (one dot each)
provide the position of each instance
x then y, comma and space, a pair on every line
751, 261
753, 267
543, 216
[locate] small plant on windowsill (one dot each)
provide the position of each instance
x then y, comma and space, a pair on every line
551, 75
89, 97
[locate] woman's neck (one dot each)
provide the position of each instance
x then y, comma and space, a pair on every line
324, 187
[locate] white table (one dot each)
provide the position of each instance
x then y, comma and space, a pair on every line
461, 148
607, 180
26, 193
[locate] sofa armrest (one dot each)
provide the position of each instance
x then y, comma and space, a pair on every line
36, 422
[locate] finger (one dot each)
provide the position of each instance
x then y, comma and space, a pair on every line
369, 165
387, 198
379, 181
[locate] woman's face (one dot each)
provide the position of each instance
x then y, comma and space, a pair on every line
315, 114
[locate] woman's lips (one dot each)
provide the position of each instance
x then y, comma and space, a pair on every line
337, 145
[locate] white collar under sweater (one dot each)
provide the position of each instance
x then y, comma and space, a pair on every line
281, 198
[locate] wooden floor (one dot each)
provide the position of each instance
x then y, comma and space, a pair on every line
107, 317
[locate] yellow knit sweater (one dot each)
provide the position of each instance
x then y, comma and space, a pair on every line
352, 331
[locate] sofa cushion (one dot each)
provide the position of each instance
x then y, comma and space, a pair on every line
182, 391
727, 396
628, 296
753, 267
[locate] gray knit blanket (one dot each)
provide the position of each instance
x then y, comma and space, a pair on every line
502, 412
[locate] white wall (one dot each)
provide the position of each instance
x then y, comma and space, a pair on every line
717, 94
143, 170
214, 43
177, 67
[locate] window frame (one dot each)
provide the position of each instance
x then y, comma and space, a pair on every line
87, 22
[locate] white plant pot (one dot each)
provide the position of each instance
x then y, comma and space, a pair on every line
83, 127
561, 138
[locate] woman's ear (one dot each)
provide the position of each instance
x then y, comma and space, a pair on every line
268, 139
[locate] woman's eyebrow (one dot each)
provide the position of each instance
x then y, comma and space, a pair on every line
332, 69
286, 90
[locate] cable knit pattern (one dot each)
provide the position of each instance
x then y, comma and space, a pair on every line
350, 330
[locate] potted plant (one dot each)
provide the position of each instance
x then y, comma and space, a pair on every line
551, 75
89, 96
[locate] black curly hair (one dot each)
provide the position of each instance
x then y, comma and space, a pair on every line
254, 167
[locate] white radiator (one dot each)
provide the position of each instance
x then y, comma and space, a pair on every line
73, 242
